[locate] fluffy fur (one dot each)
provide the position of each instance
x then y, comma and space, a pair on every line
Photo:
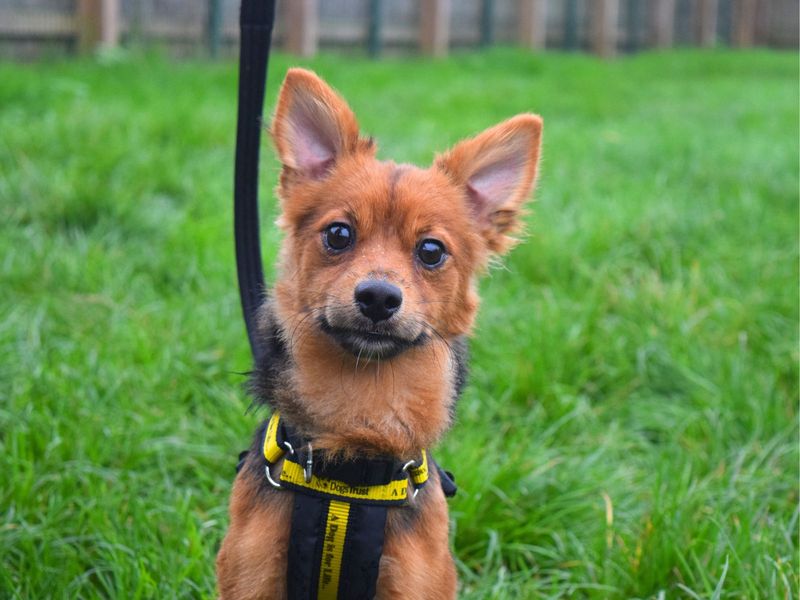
374, 400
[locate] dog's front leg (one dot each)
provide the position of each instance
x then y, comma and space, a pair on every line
416, 562
251, 564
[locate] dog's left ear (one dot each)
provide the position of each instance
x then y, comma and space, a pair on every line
496, 171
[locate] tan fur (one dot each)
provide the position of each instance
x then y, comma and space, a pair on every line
470, 200
251, 563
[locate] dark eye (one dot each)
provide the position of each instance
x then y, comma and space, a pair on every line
431, 253
337, 237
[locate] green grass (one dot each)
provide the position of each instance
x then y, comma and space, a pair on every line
630, 430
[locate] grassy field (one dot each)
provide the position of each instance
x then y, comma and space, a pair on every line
630, 430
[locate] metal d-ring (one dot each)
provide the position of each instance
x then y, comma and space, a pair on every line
267, 471
406, 467
270, 479
308, 469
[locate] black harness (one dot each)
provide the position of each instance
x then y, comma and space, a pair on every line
340, 506
339, 510
339, 513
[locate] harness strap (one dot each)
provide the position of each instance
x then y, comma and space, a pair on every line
376, 481
338, 516
335, 549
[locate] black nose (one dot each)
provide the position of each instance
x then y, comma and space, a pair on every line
378, 300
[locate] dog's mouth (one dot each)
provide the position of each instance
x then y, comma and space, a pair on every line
370, 344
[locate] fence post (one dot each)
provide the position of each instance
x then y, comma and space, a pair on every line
98, 24
434, 31
632, 25
301, 27
214, 27
762, 32
705, 17
662, 23
604, 16
532, 23
375, 25
487, 22
109, 31
571, 25
744, 23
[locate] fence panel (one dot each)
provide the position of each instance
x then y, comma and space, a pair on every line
36, 27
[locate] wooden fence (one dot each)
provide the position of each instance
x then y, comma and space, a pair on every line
433, 27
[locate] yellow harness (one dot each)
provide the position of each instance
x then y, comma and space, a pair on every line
339, 514
301, 477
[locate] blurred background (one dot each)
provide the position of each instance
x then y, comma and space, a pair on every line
630, 428
35, 27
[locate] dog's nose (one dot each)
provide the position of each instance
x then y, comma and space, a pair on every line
378, 300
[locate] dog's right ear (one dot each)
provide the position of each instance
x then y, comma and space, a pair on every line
313, 126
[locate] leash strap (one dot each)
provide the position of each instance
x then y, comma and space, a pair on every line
256, 20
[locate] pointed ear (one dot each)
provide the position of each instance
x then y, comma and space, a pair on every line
497, 170
313, 126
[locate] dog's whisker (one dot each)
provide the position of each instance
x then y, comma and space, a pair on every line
394, 386
358, 358
293, 334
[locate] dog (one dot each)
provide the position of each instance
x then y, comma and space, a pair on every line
367, 322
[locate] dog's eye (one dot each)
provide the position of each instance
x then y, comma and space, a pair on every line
337, 237
431, 253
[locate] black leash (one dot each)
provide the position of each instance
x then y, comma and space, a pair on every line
256, 20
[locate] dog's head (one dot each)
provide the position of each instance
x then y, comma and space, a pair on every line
380, 257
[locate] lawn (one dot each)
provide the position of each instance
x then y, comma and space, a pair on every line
630, 430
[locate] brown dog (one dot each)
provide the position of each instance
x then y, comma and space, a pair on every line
366, 326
